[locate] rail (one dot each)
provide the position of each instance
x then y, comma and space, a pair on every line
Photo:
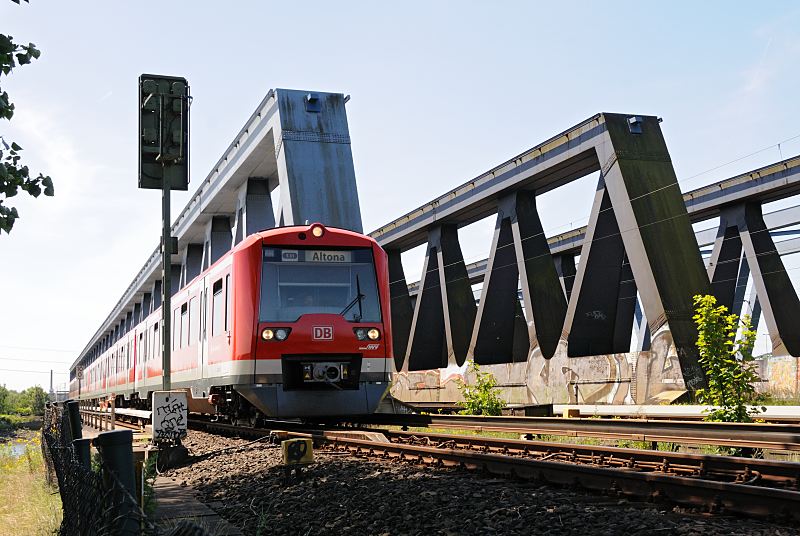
747, 435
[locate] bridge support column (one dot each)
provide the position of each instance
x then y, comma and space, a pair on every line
445, 310
656, 233
520, 253
602, 316
401, 307
191, 263
726, 257
642, 330
137, 313
175, 278
315, 161
254, 210
776, 298
218, 240
565, 267
156, 293
147, 301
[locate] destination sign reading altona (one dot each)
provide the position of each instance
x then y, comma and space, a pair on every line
327, 256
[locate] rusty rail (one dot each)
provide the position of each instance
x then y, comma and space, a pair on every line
748, 435
717, 484
658, 483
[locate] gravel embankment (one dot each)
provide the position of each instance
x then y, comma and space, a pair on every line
344, 495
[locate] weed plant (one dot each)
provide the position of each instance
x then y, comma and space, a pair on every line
28, 505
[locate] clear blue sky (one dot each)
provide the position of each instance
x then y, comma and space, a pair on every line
441, 91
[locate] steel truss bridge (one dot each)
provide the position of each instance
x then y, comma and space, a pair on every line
550, 329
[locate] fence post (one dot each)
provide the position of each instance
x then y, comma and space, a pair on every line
116, 450
75, 419
113, 417
83, 452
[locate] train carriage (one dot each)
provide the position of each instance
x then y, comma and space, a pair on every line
292, 322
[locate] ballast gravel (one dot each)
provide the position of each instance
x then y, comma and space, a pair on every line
340, 494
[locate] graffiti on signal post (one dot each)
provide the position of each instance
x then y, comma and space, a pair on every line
170, 416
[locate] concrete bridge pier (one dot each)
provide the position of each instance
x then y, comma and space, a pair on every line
445, 310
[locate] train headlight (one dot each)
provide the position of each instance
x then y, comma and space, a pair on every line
281, 334
317, 231
267, 334
374, 334
361, 334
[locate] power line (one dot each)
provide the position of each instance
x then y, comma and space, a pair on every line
34, 360
39, 349
33, 371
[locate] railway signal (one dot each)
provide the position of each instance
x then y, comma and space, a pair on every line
163, 143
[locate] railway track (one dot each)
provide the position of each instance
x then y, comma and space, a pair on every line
717, 484
746, 435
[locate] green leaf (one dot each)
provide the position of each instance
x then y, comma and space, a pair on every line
14, 147
6, 44
48, 186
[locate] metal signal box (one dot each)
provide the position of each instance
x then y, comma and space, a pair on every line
298, 451
163, 132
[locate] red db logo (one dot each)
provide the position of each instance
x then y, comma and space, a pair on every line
322, 333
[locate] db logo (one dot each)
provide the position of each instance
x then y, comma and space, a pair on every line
322, 333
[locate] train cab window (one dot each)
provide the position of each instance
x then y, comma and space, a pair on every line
295, 282
217, 309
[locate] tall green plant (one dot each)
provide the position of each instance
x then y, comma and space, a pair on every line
481, 397
726, 354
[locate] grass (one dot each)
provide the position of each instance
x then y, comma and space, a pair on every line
149, 474
9, 423
28, 505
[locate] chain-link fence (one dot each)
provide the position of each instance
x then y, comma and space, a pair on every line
95, 501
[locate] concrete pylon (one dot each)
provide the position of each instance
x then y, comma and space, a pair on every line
191, 263
601, 318
147, 300
314, 161
445, 309
519, 253
743, 231
156, 293
402, 308
254, 210
218, 240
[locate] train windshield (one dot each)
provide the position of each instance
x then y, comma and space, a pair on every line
295, 282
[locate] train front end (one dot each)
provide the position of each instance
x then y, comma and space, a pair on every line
323, 335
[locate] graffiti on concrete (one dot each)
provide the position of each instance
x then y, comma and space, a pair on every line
170, 416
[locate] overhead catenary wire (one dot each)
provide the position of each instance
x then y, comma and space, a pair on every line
33, 371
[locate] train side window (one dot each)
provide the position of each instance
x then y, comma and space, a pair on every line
185, 325
156, 342
228, 295
194, 321
176, 329
218, 309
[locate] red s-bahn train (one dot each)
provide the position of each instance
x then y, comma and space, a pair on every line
292, 322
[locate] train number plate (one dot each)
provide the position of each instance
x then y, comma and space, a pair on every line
322, 333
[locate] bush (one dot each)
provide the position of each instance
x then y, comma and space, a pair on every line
727, 361
481, 398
